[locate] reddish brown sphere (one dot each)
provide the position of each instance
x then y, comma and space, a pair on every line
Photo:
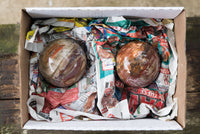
138, 64
62, 63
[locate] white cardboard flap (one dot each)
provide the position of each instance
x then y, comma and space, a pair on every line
123, 125
144, 12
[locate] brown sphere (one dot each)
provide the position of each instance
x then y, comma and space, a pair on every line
62, 62
138, 64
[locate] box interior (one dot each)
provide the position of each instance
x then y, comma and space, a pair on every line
176, 13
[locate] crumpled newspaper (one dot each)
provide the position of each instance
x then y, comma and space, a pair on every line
100, 94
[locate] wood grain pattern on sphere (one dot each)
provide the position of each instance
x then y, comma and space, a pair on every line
138, 64
62, 62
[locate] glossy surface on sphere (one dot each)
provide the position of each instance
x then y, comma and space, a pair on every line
62, 62
138, 64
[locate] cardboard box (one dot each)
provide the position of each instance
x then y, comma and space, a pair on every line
176, 13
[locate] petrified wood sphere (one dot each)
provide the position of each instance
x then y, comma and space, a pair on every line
138, 64
62, 62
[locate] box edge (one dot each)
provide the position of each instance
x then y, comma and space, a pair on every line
182, 70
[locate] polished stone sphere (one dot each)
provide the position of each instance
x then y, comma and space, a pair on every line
62, 62
138, 64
